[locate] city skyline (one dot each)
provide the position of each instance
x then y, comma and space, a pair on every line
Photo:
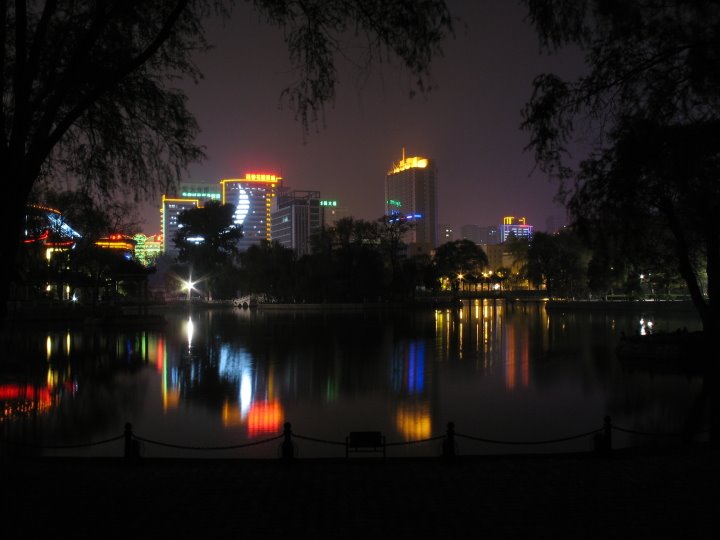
468, 123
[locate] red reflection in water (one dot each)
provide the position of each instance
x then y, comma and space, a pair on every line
264, 417
16, 391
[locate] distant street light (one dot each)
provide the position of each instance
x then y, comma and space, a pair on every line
189, 285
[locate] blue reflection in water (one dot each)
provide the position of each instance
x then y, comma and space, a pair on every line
235, 366
408, 368
245, 375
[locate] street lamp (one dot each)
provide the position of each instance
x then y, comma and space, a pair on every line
189, 285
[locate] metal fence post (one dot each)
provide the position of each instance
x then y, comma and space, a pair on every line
288, 450
128, 441
607, 431
449, 442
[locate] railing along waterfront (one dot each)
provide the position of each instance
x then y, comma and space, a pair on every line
602, 441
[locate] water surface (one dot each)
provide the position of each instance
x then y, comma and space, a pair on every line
216, 378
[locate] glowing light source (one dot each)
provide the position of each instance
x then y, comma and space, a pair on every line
409, 163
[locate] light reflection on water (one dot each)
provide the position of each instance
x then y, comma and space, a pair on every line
505, 371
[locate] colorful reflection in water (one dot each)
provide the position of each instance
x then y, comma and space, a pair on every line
497, 369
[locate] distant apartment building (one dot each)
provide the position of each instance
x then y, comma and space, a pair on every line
445, 233
297, 220
411, 195
480, 235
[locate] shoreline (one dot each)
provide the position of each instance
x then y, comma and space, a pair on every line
620, 305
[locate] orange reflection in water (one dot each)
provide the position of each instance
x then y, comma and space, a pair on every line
231, 415
413, 421
264, 417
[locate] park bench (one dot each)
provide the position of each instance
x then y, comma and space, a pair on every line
364, 441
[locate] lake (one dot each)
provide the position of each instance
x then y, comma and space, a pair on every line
214, 378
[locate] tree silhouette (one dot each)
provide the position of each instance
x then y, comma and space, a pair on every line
649, 104
88, 92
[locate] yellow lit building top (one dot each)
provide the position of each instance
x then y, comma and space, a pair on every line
404, 164
510, 220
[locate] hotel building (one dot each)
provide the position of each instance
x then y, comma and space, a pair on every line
253, 198
411, 194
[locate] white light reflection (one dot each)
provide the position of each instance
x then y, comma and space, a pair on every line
190, 331
645, 327
235, 365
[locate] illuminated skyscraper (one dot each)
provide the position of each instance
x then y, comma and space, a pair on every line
169, 212
411, 194
516, 227
252, 197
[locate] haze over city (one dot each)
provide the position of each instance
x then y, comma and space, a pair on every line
469, 123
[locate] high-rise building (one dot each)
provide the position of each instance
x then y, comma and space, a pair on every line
297, 220
445, 233
470, 232
411, 194
332, 211
480, 235
169, 212
516, 227
489, 235
253, 198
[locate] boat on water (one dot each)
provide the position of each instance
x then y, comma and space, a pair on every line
677, 352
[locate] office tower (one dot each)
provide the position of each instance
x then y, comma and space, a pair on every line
488, 235
297, 220
411, 194
169, 212
516, 227
332, 211
253, 198
471, 232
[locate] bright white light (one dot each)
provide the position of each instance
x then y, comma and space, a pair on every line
242, 207
190, 331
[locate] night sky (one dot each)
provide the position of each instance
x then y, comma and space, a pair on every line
469, 122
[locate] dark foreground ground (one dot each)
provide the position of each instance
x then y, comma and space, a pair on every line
668, 495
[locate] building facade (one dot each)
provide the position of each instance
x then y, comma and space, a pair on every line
253, 198
297, 219
515, 226
332, 211
201, 191
169, 213
411, 194
445, 233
